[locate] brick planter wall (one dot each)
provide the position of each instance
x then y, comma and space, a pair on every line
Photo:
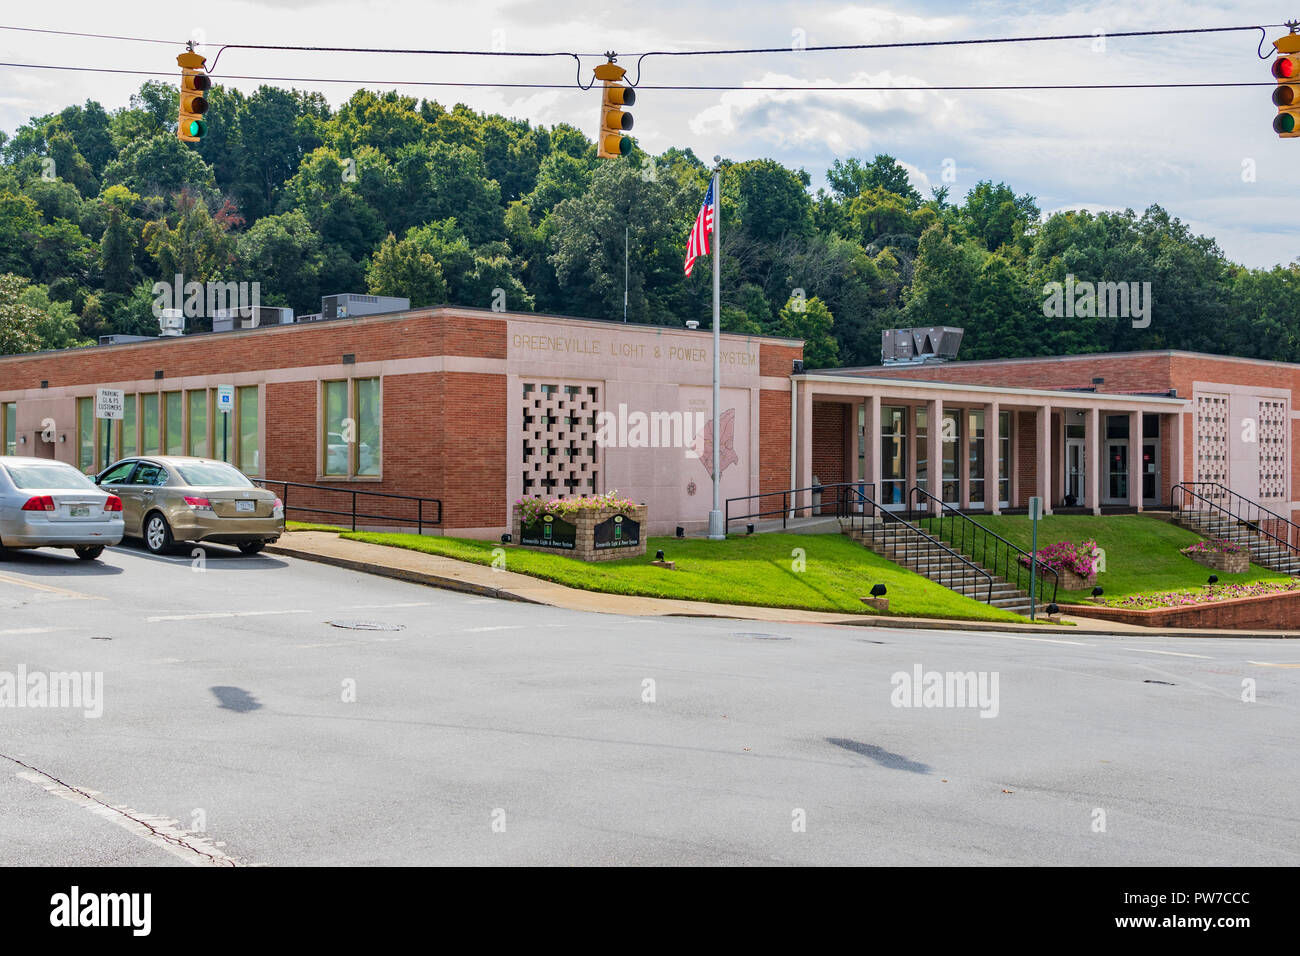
1273, 612
1069, 581
585, 521
1223, 561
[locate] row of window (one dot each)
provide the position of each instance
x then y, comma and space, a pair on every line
189, 422
894, 444
171, 423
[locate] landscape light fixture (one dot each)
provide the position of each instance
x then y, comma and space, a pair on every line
1096, 595
681, 532
878, 590
506, 539
1053, 609
1214, 579
659, 555
749, 529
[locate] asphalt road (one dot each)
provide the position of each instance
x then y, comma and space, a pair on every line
486, 732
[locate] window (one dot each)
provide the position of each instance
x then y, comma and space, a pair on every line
173, 423
218, 475
975, 452
130, 437
86, 434
53, 475
9, 429
248, 459
352, 425
893, 455
1117, 426
198, 432
951, 434
1150, 426
1004, 457
922, 449
118, 473
149, 474
149, 424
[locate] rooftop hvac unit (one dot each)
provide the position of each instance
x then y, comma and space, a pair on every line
120, 339
171, 322
250, 317
350, 304
916, 346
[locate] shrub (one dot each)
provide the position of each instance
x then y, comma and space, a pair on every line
1214, 546
1065, 555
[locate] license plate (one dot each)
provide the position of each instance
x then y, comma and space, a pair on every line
245, 505
79, 512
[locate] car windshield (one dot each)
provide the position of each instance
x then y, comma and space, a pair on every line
52, 476
211, 474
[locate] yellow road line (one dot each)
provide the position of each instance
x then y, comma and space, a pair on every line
48, 588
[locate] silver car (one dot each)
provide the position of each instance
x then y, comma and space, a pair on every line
47, 504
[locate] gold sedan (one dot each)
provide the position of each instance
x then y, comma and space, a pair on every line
167, 499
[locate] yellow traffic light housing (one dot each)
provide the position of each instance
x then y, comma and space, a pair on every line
612, 140
1286, 95
190, 125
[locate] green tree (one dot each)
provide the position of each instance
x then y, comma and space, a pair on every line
18, 320
810, 320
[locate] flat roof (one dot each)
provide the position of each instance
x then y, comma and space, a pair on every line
402, 315
1077, 357
1057, 393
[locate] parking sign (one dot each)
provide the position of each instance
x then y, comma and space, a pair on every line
226, 398
108, 403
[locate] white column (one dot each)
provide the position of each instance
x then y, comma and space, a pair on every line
991, 448
934, 449
1094, 459
1044, 489
963, 459
1135, 460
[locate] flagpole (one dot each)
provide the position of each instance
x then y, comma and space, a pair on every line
716, 531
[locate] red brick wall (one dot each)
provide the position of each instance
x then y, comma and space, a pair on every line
777, 360
1141, 372
773, 441
410, 336
1026, 454
828, 442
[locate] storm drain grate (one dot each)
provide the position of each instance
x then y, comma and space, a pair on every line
367, 625
758, 636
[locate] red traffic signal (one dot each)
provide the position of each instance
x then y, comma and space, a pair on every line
1286, 96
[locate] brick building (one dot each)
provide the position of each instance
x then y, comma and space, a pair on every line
478, 408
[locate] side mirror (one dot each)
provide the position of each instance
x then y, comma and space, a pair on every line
95, 479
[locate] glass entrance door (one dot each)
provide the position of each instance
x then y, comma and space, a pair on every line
1117, 472
1075, 473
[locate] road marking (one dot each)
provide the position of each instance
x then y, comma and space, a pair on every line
1256, 663
161, 832
495, 627
360, 607
48, 588
29, 630
1043, 640
217, 614
1143, 650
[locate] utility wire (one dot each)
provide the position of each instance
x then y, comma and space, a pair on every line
672, 87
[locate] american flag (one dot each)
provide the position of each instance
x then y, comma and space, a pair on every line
698, 244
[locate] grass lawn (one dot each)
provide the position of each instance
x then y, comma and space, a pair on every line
753, 570
1142, 553
310, 526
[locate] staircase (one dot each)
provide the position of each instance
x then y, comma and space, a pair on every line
1214, 511
905, 544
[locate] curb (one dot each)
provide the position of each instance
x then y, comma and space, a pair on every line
918, 624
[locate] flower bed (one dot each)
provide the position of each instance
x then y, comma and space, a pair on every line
1206, 595
1075, 564
591, 528
1220, 555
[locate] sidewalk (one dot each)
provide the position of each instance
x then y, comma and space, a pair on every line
450, 574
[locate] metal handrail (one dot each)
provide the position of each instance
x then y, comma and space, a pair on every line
787, 510
354, 514
876, 530
1005, 554
1243, 504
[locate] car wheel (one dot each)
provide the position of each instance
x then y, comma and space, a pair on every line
157, 534
251, 547
90, 552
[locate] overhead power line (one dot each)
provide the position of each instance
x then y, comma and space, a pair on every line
497, 84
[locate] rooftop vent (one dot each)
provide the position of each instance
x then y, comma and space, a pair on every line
919, 346
171, 322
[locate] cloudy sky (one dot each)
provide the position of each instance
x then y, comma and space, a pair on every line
1208, 156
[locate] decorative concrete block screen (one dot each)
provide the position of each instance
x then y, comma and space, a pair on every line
1212, 438
1272, 449
560, 455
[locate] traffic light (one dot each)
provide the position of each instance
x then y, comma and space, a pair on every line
190, 125
614, 121
1286, 95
